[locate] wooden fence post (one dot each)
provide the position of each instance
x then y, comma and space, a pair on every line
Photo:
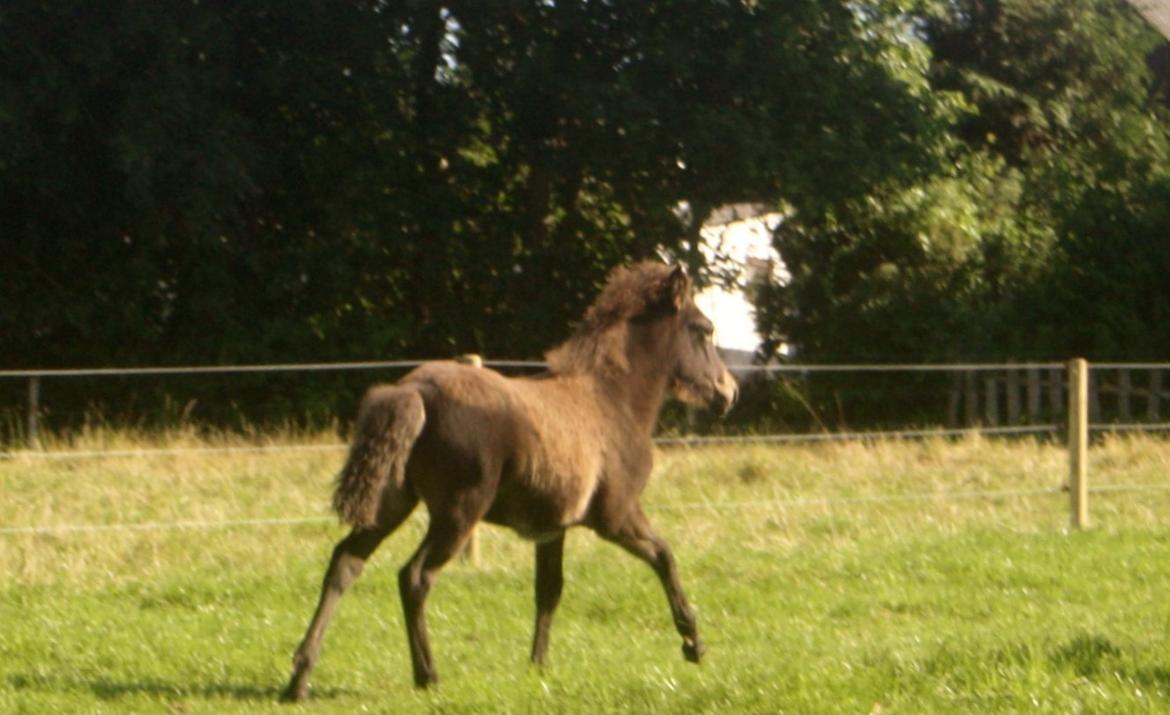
34, 408
971, 398
1078, 441
1033, 394
1012, 383
471, 550
954, 398
1153, 406
991, 405
1056, 391
1124, 390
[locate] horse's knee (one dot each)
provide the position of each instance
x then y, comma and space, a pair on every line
303, 659
414, 584
350, 556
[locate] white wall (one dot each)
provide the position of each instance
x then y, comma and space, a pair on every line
740, 250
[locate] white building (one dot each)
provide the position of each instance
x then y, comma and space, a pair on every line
1157, 13
737, 243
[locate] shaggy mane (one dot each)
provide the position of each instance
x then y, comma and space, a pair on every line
598, 342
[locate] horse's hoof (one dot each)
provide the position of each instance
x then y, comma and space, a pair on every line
693, 651
293, 694
426, 682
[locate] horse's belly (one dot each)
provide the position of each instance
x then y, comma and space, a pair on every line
538, 504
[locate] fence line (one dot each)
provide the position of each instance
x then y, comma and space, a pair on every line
1072, 390
1021, 387
166, 452
526, 364
231, 369
903, 367
697, 440
157, 526
665, 506
1130, 427
684, 441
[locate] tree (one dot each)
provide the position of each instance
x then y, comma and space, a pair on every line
206, 182
1049, 126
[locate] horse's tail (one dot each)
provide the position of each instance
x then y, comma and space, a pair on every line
389, 421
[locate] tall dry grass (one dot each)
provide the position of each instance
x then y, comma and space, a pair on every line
765, 497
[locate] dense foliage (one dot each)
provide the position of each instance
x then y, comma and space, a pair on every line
1044, 231
211, 182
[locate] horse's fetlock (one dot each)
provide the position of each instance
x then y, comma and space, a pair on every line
426, 679
686, 623
302, 661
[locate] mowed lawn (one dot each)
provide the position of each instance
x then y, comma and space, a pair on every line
930, 577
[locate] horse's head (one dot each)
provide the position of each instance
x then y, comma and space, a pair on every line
645, 323
696, 372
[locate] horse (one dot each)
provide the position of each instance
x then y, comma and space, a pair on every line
539, 454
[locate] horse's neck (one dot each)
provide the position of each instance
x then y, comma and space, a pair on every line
642, 390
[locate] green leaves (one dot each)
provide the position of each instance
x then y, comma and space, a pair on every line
1043, 135
188, 182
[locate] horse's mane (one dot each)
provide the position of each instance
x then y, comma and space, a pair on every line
598, 342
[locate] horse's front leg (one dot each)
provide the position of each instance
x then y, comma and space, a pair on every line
635, 535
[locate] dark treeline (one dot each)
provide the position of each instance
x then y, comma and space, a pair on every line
206, 182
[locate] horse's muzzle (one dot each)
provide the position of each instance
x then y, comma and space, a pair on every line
726, 393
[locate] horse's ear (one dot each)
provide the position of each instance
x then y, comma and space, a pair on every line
678, 287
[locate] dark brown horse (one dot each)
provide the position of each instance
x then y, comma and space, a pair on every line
571, 447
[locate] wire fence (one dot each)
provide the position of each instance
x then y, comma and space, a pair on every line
519, 364
715, 506
1013, 388
979, 395
683, 441
998, 378
1006, 403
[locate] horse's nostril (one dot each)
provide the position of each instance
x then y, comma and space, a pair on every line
724, 398
728, 389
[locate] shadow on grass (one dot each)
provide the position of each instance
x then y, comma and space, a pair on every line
1096, 656
1087, 655
105, 689
1157, 678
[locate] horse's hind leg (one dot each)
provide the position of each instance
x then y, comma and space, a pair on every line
549, 582
443, 539
349, 557
638, 537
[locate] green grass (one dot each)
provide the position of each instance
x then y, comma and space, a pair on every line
829, 578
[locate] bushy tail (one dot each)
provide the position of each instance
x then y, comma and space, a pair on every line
389, 421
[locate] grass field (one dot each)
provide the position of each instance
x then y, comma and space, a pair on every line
883, 578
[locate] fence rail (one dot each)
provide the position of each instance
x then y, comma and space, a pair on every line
1075, 390
717, 506
530, 364
980, 394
